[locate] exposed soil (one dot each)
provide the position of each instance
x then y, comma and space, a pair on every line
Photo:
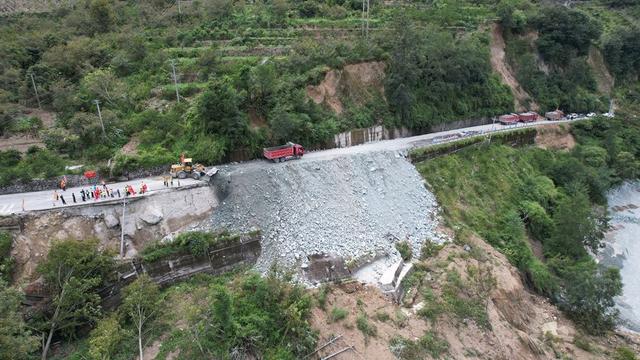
522, 325
372, 302
522, 100
131, 148
604, 79
556, 137
22, 142
356, 82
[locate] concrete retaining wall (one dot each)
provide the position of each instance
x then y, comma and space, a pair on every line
244, 251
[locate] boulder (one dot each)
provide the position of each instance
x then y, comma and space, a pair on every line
111, 220
152, 216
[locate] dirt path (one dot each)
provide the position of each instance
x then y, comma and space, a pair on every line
500, 65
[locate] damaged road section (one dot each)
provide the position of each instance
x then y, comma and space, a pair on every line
353, 207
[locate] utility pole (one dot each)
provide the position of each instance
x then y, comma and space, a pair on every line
35, 89
124, 203
493, 128
367, 32
363, 5
365, 18
175, 79
97, 102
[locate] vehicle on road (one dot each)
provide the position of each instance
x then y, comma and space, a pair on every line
528, 116
185, 168
554, 115
591, 114
283, 152
509, 119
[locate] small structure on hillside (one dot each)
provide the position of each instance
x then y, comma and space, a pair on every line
554, 115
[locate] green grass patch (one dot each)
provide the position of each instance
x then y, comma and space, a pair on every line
337, 314
430, 344
365, 326
196, 243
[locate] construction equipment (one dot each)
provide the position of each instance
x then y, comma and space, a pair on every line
186, 168
284, 152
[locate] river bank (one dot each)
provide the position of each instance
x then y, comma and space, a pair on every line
623, 249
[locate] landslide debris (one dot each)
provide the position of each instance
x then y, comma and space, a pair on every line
355, 206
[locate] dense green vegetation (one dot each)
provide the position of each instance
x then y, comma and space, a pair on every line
243, 69
196, 243
239, 313
508, 196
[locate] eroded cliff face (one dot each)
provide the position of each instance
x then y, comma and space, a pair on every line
356, 82
146, 219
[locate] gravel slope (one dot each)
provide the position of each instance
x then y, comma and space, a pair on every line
345, 206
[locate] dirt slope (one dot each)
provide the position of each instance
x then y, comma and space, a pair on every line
557, 137
356, 82
603, 77
521, 325
522, 100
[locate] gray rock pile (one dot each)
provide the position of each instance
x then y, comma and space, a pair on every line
352, 206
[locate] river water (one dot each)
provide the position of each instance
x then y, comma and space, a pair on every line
623, 249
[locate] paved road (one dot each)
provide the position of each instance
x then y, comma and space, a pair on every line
12, 203
40, 200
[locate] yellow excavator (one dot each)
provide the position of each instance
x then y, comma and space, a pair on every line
185, 168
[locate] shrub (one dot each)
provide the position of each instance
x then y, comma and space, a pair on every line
363, 324
321, 296
105, 339
624, 353
337, 314
582, 343
6, 260
430, 249
430, 344
404, 248
382, 316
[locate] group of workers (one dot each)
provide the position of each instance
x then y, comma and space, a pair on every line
96, 193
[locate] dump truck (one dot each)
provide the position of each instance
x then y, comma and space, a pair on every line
284, 152
528, 116
186, 168
508, 119
554, 115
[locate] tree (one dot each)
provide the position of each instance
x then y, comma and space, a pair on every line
102, 16
576, 226
262, 80
402, 70
141, 304
511, 15
218, 111
622, 53
589, 293
16, 341
73, 273
564, 33
105, 338
6, 261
